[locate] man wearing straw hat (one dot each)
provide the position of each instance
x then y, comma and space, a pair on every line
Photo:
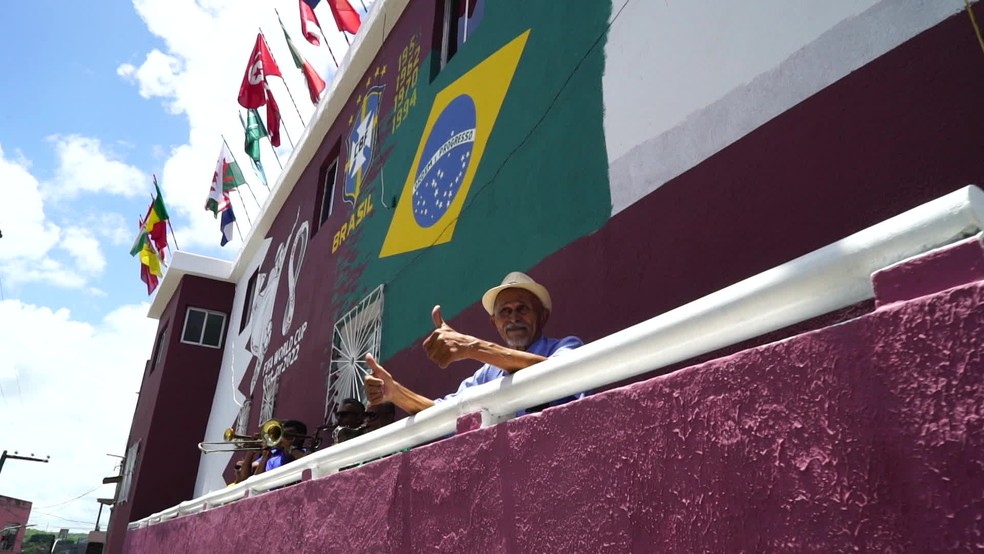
518, 308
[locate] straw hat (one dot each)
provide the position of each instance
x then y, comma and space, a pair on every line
516, 280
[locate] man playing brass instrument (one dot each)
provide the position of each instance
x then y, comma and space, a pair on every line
290, 448
518, 308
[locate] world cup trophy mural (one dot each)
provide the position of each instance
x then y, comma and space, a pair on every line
261, 329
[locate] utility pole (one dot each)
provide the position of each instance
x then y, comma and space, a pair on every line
14, 456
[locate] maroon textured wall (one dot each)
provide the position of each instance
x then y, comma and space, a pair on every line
862, 436
14, 511
172, 410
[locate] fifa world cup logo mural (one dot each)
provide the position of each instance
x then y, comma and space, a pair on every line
271, 365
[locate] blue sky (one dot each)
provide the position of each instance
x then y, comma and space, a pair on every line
99, 96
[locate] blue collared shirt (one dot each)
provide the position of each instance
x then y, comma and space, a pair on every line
543, 346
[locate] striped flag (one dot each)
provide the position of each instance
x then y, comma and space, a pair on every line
308, 18
227, 177
228, 221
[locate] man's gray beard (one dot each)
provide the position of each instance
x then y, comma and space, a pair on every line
518, 345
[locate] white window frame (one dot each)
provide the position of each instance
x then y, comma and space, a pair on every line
207, 313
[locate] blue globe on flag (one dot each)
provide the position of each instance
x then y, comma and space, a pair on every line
446, 156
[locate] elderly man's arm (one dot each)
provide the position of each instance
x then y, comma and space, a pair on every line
445, 346
381, 387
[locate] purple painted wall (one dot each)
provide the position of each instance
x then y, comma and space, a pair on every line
172, 411
861, 436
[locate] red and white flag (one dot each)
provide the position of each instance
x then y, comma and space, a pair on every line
308, 18
346, 18
253, 91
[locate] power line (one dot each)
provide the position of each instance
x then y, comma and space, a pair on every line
66, 519
70, 500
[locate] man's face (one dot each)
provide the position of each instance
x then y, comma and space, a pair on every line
241, 472
376, 418
348, 415
290, 435
519, 317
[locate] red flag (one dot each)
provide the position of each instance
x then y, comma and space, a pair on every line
149, 278
307, 18
314, 81
253, 91
273, 120
346, 18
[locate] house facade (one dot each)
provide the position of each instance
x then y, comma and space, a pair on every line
630, 155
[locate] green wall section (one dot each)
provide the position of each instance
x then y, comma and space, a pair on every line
541, 183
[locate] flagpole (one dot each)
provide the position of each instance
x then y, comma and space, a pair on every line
292, 101
320, 30
235, 223
248, 187
364, 6
169, 226
243, 202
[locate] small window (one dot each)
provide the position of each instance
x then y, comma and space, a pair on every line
9, 536
248, 302
203, 327
328, 194
129, 464
159, 349
461, 18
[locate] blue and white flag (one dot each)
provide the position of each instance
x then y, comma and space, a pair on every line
228, 220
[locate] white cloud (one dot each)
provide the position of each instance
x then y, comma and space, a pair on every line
36, 250
84, 249
156, 75
112, 227
78, 381
84, 165
26, 233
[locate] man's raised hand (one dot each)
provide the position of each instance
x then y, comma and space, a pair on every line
379, 385
445, 345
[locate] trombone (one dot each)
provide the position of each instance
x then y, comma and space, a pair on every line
270, 435
232, 443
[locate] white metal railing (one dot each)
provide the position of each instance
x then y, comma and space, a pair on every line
825, 280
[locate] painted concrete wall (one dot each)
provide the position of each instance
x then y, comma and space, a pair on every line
861, 436
627, 181
172, 411
15, 512
731, 70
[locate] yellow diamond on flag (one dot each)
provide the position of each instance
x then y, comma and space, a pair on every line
449, 153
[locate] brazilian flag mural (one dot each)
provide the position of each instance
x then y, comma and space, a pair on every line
498, 161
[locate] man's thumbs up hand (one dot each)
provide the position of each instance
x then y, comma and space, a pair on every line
379, 385
437, 318
445, 345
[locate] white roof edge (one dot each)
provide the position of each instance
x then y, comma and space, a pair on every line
186, 263
380, 20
